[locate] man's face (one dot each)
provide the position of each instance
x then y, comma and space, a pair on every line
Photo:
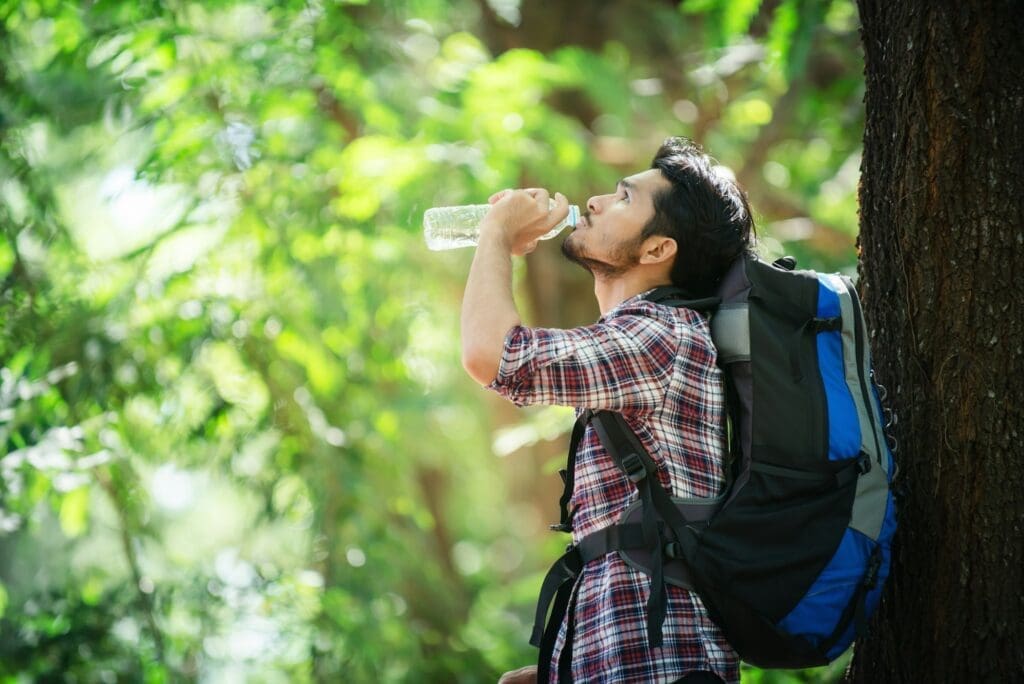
606, 241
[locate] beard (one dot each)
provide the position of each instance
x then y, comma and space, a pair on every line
623, 257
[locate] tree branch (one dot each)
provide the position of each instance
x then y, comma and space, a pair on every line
145, 599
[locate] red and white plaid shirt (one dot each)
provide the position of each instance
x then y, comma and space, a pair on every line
655, 365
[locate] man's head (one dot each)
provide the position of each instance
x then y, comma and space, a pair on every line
684, 218
704, 211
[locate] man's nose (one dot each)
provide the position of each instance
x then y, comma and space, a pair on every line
594, 204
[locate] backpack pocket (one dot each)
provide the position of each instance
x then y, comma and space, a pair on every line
798, 518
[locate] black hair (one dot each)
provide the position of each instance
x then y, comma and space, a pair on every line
705, 211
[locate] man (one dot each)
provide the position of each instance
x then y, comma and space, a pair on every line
682, 222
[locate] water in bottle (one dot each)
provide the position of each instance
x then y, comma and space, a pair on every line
452, 227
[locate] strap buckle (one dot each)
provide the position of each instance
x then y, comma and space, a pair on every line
634, 467
673, 550
830, 324
560, 527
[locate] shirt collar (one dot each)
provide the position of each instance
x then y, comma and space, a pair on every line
614, 311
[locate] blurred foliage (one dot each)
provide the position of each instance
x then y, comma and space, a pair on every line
237, 441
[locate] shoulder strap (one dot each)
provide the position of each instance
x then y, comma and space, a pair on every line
625, 449
670, 295
568, 474
629, 454
618, 441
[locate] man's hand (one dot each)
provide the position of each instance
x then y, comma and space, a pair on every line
521, 217
524, 675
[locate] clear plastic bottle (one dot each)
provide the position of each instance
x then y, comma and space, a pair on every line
452, 227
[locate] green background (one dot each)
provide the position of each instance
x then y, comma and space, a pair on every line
237, 441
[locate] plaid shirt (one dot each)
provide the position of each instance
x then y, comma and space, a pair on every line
655, 365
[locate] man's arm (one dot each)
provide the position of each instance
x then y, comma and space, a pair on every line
488, 308
513, 226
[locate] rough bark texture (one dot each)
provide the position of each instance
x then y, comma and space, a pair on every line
942, 240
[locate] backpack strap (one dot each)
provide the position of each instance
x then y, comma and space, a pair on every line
638, 466
557, 589
629, 454
618, 438
670, 295
568, 474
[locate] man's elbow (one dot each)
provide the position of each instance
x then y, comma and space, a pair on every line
481, 365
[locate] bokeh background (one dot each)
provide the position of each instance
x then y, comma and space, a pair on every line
236, 441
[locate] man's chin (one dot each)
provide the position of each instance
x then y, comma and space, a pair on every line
595, 267
572, 252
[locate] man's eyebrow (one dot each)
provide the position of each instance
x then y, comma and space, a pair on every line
628, 184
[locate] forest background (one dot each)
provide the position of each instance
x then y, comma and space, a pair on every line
236, 441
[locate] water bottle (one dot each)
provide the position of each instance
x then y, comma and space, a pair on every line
452, 227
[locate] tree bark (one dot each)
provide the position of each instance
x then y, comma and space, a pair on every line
942, 253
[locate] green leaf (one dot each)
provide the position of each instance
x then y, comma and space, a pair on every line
737, 18
780, 36
698, 6
74, 512
262, 374
792, 33
6, 258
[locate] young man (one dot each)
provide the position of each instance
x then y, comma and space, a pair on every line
681, 222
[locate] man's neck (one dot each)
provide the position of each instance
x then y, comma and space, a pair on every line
613, 291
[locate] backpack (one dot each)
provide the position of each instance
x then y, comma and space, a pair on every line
790, 560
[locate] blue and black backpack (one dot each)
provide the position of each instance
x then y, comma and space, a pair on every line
790, 560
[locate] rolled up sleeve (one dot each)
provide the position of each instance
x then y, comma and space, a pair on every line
622, 363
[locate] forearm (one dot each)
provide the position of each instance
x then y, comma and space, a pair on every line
488, 308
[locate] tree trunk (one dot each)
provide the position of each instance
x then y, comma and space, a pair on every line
942, 240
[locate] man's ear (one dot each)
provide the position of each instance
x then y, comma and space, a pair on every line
658, 249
